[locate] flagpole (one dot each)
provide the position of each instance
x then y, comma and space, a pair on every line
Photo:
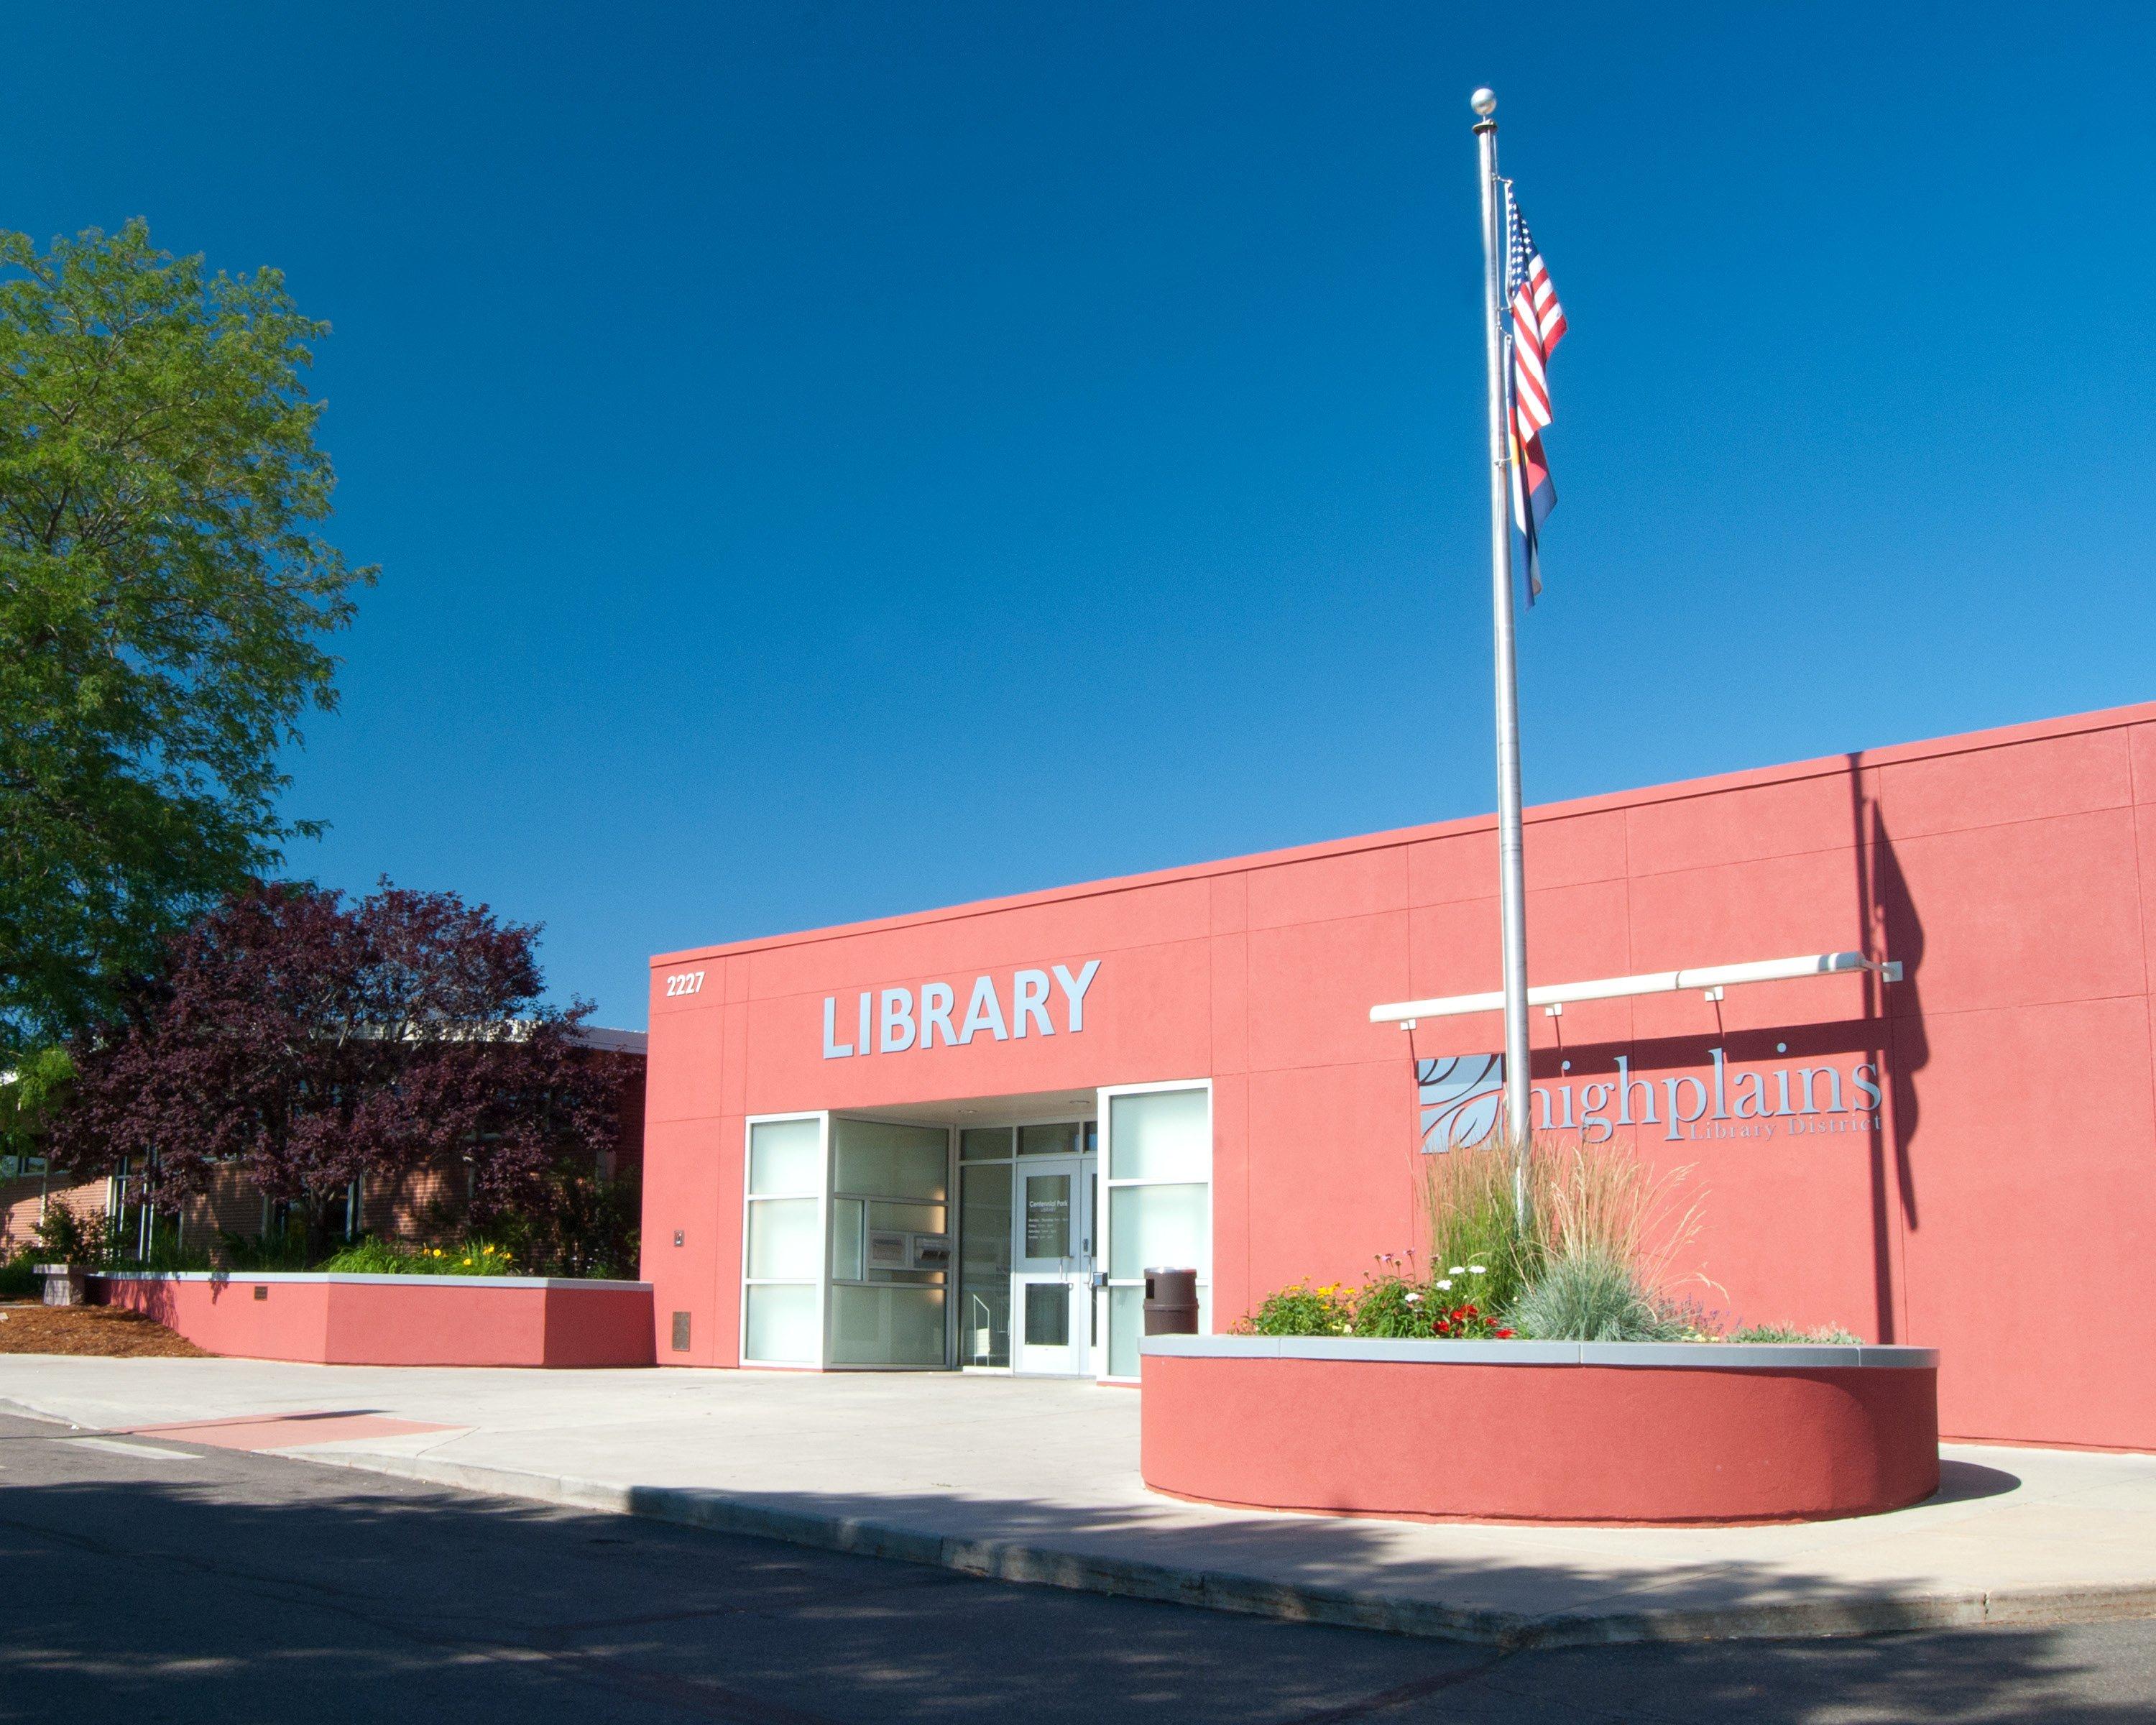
1511, 877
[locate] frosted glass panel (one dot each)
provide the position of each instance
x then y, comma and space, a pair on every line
782, 1325
846, 1239
886, 1326
785, 1156
783, 1237
917, 1217
1160, 1228
878, 1159
1125, 1324
1161, 1135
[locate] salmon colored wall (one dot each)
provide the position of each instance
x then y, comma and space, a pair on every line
291, 1323
1584, 1443
423, 1321
2004, 1212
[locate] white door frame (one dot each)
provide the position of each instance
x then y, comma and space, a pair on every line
1015, 1162
1104, 1209
1072, 1270
822, 1194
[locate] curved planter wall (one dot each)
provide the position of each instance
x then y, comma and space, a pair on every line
1540, 1431
397, 1320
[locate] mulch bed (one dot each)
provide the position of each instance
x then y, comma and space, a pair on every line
103, 1330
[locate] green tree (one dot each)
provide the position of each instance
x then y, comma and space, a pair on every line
163, 598
31, 1093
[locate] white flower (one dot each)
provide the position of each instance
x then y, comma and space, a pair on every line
1414, 1299
1457, 1269
1474, 1269
1446, 1284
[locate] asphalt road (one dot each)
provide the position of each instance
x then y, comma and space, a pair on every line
148, 1582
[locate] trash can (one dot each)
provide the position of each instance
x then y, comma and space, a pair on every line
1171, 1302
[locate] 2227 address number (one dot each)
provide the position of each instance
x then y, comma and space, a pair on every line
690, 982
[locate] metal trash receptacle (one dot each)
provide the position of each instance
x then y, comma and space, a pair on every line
1171, 1302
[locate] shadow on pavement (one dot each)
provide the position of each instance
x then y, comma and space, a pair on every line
259, 1588
1965, 1481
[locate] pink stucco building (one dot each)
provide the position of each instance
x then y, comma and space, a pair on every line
953, 1140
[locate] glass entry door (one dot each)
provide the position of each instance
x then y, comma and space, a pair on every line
1052, 1269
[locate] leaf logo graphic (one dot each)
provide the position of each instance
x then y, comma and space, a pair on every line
1459, 1096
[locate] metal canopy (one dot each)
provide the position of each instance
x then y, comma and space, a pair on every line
1711, 978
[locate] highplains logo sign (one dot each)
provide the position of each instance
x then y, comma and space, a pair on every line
1461, 1098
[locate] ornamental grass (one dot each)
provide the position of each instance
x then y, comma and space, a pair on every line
1596, 1256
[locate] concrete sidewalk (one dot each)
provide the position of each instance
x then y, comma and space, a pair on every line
1037, 1480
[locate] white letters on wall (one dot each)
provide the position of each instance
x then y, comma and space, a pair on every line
892, 1020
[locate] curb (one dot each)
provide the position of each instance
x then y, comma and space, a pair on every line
1250, 1595
1226, 1590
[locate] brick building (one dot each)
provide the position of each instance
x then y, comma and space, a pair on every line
421, 1203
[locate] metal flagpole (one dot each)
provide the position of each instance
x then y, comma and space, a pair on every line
1511, 878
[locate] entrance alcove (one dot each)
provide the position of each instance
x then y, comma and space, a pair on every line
998, 1233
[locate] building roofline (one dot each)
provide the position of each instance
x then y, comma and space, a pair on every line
1681, 790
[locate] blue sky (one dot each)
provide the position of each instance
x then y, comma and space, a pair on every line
827, 460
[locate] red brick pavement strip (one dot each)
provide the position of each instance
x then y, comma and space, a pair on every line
284, 1431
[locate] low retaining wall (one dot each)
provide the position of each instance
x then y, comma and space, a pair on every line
1540, 1431
397, 1320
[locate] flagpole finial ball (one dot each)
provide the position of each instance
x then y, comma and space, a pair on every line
1484, 102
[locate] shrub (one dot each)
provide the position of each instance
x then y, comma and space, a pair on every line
278, 1248
63, 1237
168, 1253
1592, 1296
18, 1276
1833, 1334
380, 1257
573, 1224
1303, 1310
1391, 1302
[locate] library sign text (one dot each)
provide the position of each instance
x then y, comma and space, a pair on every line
1462, 1095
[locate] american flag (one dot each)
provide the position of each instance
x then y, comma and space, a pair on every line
1537, 325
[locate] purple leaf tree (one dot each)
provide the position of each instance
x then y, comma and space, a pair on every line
310, 1041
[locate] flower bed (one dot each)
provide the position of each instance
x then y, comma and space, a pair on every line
329, 1319
1540, 1431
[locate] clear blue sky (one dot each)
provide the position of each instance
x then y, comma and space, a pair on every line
832, 460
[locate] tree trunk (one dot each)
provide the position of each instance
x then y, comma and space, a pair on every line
316, 1218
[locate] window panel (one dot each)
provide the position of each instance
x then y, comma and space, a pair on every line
984, 1265
1160, 1228
914, 1217
783, 1237
887, 1327
878, 1158
846, 1232
783, 1325
785, 1157
1047, 1314
1125, 1324
1059, 1139
989, 1143
1160, 1135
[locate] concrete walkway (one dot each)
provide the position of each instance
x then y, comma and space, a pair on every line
1037, 1480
